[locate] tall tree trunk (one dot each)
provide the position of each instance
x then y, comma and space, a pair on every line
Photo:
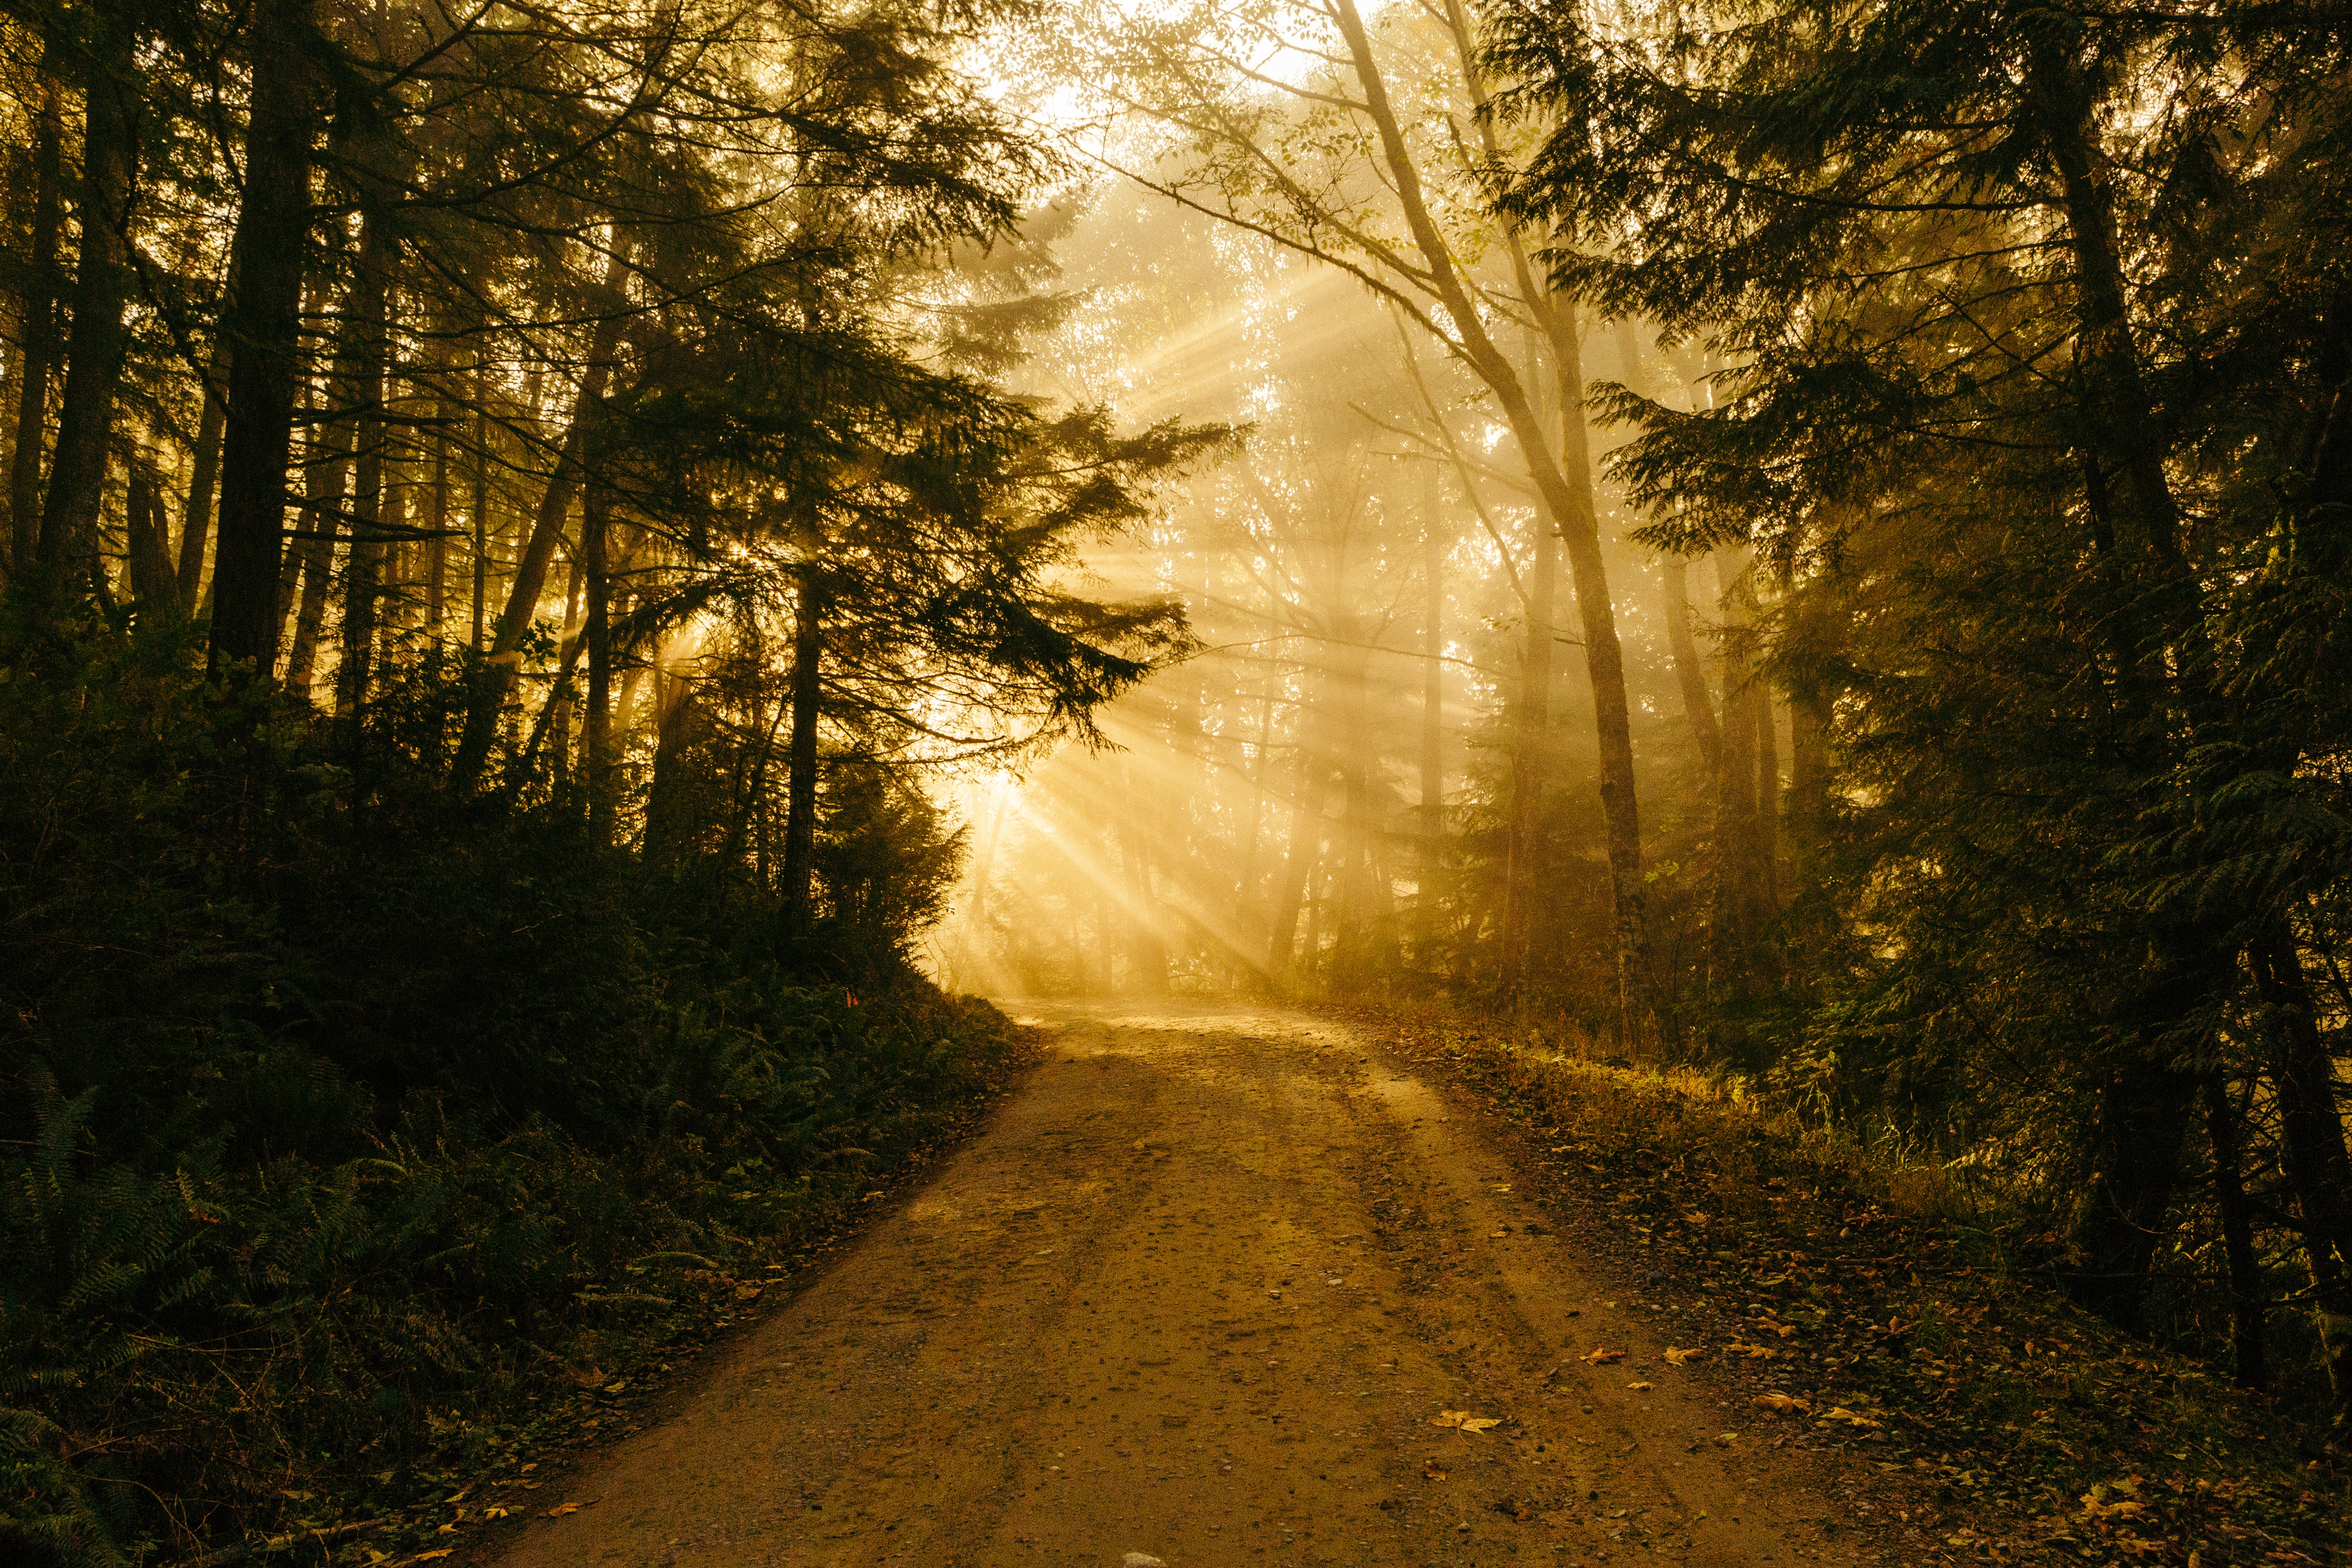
1564, 484
37, 313
1305, 848
1690, 672
2312, 1147
1435, 539
1434, 542
2142, 1108
100, 338
488, 699
595, 736
1530, 730
437, 567
1767, 794
204, 483
2224, 1132
363, 566
262, 327
152, 583
1737, 892
480, 518
800, 795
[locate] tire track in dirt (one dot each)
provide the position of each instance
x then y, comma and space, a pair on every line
1195, 1293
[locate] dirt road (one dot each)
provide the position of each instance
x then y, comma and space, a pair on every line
1195, 1294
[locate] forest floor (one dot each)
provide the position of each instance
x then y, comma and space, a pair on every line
1218, 1285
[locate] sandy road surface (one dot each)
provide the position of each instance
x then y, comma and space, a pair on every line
1195, 1293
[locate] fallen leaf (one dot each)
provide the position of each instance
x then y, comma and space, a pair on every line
1752, 1351
1839, 1413
1676, 1357
1783, 1330
1480, 1423
1601, 1357
561, 1509
494, 1512
1725, 1439
1782, 1403
1432, 1471
1639, 1387
1448, 1417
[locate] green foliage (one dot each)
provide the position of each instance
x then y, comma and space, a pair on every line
335, 1113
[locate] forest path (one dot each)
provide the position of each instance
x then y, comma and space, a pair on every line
1194, 1293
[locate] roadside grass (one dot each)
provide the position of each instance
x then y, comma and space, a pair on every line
1876, 1308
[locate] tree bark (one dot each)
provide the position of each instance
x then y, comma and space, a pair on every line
1690, 672
152, 583
480, 521
100, 338
1530, 730
799, 792
1434, 542
2312, 1146
595, 735
437, 567
370, 330
2144, 1105
2224, 1132
204, 483
38, 315
262, 329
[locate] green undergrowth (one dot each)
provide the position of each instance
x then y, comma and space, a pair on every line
1870, 1306
353, 1137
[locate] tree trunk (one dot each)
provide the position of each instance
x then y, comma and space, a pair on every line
437, 561
2312, 1148
1565, 486
1434, 541
1739, 905
262, 327
152, 583
595, 736
1530, 730
800, 795
539, 551
2224, 1132
100, 338
37, 313
1305, 848
204, 483
480, 519
2143, 1108
363, 566
1767, 794
1690, 672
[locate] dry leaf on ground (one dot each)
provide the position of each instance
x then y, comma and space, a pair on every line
1676, 1357
1601, 1357
1782, 1403
1839, 1413
1480, 1423
1639, 1387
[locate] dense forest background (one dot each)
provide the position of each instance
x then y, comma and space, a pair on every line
556, 555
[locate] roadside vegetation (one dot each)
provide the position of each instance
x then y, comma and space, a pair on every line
1858, 1301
